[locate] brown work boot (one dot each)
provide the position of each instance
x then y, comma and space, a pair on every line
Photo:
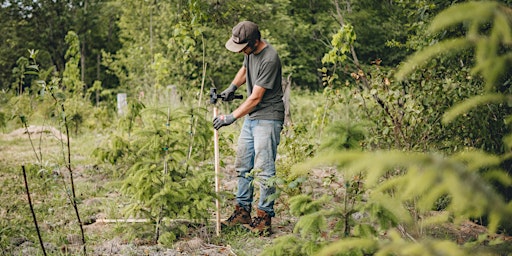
261, 224
239, 216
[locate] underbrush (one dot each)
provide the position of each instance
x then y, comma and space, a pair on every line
101, 204
99, 194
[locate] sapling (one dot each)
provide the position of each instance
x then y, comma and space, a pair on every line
57, 97
70, 169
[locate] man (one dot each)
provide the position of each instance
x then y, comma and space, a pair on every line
260, 134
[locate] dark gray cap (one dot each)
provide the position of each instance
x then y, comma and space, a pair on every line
241, 34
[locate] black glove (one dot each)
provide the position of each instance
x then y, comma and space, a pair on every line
223, 120
229, 93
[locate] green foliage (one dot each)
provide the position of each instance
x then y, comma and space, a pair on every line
343, 136
350, 247
421, 57
488, 43
408, 113
395, 182
71, 75
477, 101
19, 72
341, 43
488, 33
133, 114
40, 104
144, 63
400, 187
116, 149
296, 145
163, 176
63, 119
304, 204
3, 120
377, 202
456, 180
94, 24
329, 217
167, 239
289, 245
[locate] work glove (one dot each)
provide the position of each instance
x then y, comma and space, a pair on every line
229, 93
223, 120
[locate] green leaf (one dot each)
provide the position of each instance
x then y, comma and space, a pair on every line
421, 57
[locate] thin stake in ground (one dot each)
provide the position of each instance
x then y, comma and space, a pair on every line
32, 210
217, 171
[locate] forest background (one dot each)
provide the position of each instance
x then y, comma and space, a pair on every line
403, 106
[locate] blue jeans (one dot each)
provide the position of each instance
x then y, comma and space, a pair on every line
257, 149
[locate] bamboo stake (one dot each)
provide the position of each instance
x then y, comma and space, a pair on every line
217, 164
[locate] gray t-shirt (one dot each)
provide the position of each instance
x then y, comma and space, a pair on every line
264, 69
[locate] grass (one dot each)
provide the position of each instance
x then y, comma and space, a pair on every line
50, 191
98, 191
98, 197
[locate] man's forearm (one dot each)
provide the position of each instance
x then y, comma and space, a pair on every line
246, 107
250, 103
239, 77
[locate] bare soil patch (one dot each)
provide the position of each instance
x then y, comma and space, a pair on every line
34, 130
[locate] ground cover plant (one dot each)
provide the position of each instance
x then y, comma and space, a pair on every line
411, 159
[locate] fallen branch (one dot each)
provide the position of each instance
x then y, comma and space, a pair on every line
122, 220
141, 220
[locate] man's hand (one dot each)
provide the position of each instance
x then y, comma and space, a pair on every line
223, 120
229, 93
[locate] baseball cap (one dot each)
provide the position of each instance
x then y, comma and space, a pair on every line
241, 34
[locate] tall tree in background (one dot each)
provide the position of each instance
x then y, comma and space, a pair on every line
96, 25
42, 25
174, 42
15, 32
305, 27
301, 30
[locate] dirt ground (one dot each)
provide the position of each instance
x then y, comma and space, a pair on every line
199, 241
